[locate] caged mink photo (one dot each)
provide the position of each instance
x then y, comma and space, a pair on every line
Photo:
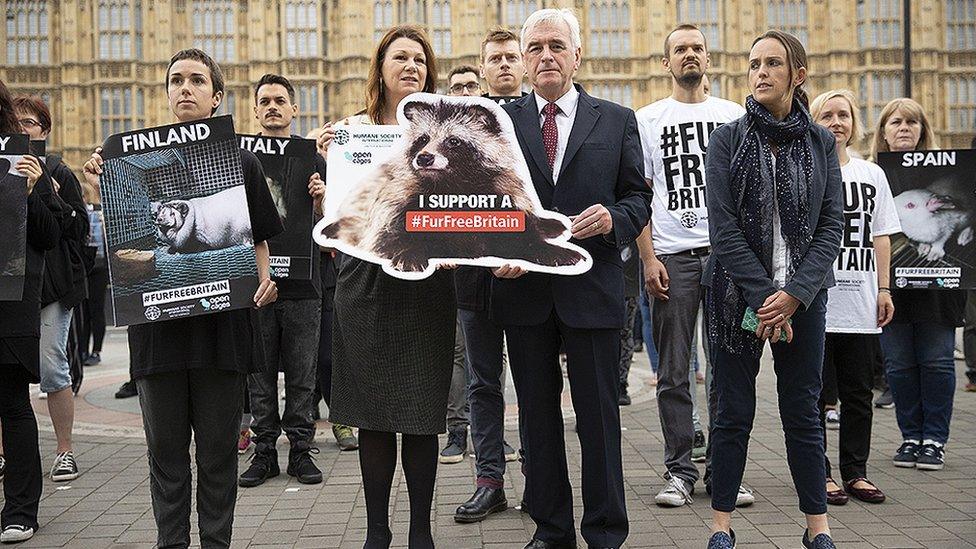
451, 148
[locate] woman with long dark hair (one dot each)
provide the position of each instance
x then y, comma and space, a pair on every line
20, 347
392, 339
775, 208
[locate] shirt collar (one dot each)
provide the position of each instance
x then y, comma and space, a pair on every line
567, 103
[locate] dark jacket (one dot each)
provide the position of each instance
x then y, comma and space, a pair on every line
65, 268
729, 247
603, 164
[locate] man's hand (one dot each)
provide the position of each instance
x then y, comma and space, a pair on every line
508, 271
777, 309
316, 189
267, 293
29, 167
592, 221
656, 278
886, 309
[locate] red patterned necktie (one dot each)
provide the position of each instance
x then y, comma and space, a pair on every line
550, 135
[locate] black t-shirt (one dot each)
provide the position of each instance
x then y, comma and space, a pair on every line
225, 340
305, 289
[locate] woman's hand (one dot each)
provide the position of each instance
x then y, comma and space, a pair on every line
29, 167
316, 189
777, 309
886, 309
267, 293
93, 168
324, 139
774, 333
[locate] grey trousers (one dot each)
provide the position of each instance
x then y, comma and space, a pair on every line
674, 329
290, 330
206, 402
627, 343
458, 408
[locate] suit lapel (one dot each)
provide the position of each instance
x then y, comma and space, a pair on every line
528, 123
586, 116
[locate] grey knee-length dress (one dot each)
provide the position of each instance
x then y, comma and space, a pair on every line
392, 349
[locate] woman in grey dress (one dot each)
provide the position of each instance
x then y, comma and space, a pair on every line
393, 340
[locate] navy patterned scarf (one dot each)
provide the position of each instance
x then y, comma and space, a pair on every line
753, 181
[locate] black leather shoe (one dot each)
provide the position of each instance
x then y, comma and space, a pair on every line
539, 544
484, 502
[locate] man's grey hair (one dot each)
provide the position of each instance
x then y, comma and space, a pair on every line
554, 17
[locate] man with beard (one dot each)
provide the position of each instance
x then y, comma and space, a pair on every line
674, 247
503, 71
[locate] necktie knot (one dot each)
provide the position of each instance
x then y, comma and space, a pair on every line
550, 109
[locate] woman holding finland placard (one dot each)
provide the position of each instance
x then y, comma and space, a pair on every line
859, 306
393, 339
918, 343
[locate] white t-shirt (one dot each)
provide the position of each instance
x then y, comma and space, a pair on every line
674, 136
869, 210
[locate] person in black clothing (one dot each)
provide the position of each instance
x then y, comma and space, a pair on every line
20, 347
289, 327
190, 371
93, 309
65, 286
503, 70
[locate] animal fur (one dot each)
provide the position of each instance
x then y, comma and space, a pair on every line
206, 223
277, 190
932, 215
453, 149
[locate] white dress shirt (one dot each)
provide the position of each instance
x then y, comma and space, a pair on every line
564, 123
781, 259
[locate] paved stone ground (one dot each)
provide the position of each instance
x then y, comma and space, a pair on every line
108, 506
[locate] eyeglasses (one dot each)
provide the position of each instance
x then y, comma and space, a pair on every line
470, 86
29, 123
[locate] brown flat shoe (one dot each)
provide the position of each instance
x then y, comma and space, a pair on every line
836, 497
869, 495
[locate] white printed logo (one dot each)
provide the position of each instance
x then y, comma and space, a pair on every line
153, 313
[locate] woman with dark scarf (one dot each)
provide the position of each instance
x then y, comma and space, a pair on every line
20, 345
775, 205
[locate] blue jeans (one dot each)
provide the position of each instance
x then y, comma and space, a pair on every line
798, 367
648, 328
54, 368
921, 372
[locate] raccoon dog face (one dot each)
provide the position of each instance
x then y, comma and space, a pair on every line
171, 215
448, 140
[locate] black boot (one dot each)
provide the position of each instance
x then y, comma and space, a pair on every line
484, 502
264, 465
300, 463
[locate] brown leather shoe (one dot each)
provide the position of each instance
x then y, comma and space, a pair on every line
836, 497
869, 495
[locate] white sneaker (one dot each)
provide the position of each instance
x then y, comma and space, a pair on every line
744, 498
833, 419
15, 533
675, 494
64, 467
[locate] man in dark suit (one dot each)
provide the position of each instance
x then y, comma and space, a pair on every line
585, 159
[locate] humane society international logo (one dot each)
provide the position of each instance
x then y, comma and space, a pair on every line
153, 313
341, 137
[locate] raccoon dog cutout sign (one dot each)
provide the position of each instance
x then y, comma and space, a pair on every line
448, 186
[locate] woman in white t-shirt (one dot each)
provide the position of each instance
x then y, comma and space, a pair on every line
860, 304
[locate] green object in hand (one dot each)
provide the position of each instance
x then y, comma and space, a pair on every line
750, 323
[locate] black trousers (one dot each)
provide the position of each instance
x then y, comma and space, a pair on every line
848, 363
325, 348
22, 481
484, 342
592, 364
207, 403
93, 311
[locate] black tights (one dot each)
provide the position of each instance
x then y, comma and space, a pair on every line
377, 459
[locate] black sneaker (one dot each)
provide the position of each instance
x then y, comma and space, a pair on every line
65, 468
931, 458
624, 398
264, 465
93, 359
300, 463
698, 449
457, 445
907, 455
886, 400
128, 389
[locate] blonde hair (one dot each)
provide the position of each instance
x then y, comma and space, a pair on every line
857, 128
912, 110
